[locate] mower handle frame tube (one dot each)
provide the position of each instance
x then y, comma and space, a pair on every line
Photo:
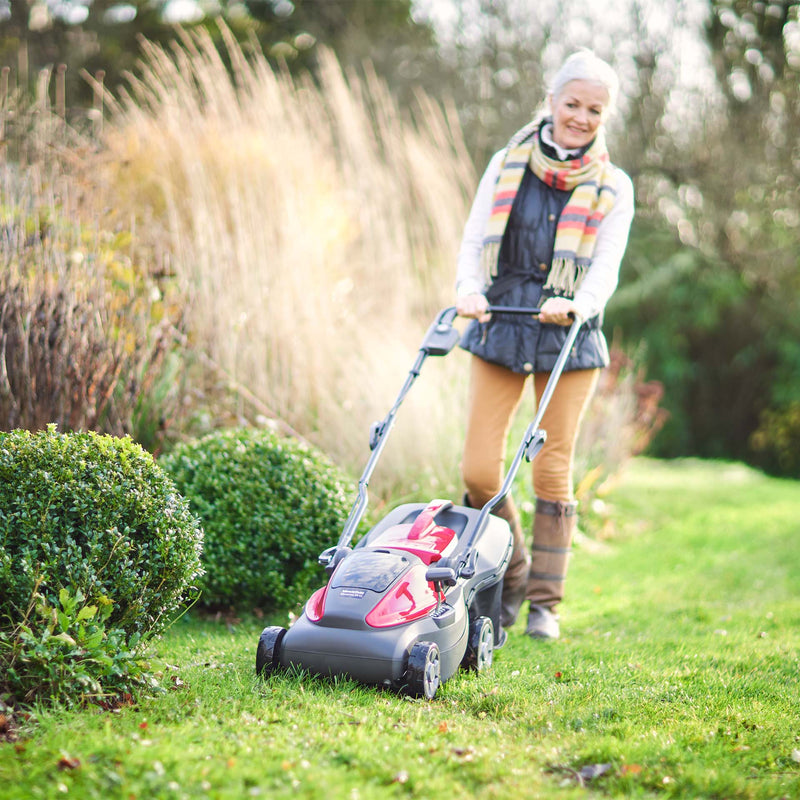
464, 561
439, 340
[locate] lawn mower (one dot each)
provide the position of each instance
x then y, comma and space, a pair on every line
419, 595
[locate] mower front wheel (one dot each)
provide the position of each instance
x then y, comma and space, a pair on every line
480, 648
424, 670
268, 652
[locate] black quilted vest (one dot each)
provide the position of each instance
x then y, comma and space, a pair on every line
522, 344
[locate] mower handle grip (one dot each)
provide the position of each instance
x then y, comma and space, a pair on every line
522, 311
450, 313
517, 310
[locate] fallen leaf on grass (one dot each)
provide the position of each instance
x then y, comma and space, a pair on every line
114, 704
8, 732
68, 762
464, 753
563, 677
631, 769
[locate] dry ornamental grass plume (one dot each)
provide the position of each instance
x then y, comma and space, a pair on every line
81, 336
312, 227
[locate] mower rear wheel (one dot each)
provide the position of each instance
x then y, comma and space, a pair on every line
424, 670
480, 649
268, 652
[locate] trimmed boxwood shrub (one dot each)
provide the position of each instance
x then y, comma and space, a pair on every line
97, 516
268, 505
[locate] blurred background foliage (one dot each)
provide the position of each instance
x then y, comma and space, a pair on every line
321, 155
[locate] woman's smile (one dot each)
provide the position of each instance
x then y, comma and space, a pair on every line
577, 113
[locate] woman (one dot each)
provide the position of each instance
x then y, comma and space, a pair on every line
548, 228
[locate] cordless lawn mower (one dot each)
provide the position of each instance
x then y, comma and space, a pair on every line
419, 595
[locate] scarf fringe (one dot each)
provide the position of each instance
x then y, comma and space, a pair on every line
565, 277
490, 255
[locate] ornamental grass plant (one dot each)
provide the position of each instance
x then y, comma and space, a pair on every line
313, 226
86, 333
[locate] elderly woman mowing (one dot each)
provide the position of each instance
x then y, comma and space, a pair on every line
548, 228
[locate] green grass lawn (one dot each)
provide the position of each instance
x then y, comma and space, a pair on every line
677, 675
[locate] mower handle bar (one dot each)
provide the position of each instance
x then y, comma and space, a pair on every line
463, 562
439, 340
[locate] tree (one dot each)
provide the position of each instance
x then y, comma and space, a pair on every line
65, 38
495, 56
68, 37
721, 312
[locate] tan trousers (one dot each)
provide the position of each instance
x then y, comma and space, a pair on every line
494, 396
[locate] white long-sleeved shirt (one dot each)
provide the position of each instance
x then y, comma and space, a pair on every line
599, 282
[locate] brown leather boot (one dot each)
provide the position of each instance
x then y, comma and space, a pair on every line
553, 526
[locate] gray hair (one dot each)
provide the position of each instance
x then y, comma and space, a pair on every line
584, 65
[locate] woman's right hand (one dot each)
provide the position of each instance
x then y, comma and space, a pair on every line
473, 305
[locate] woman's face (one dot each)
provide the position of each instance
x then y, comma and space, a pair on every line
577, 113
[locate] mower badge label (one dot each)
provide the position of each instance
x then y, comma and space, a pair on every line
356, 593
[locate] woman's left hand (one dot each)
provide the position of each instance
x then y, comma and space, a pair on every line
558, 311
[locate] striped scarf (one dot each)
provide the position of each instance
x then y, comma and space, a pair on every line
591, 180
